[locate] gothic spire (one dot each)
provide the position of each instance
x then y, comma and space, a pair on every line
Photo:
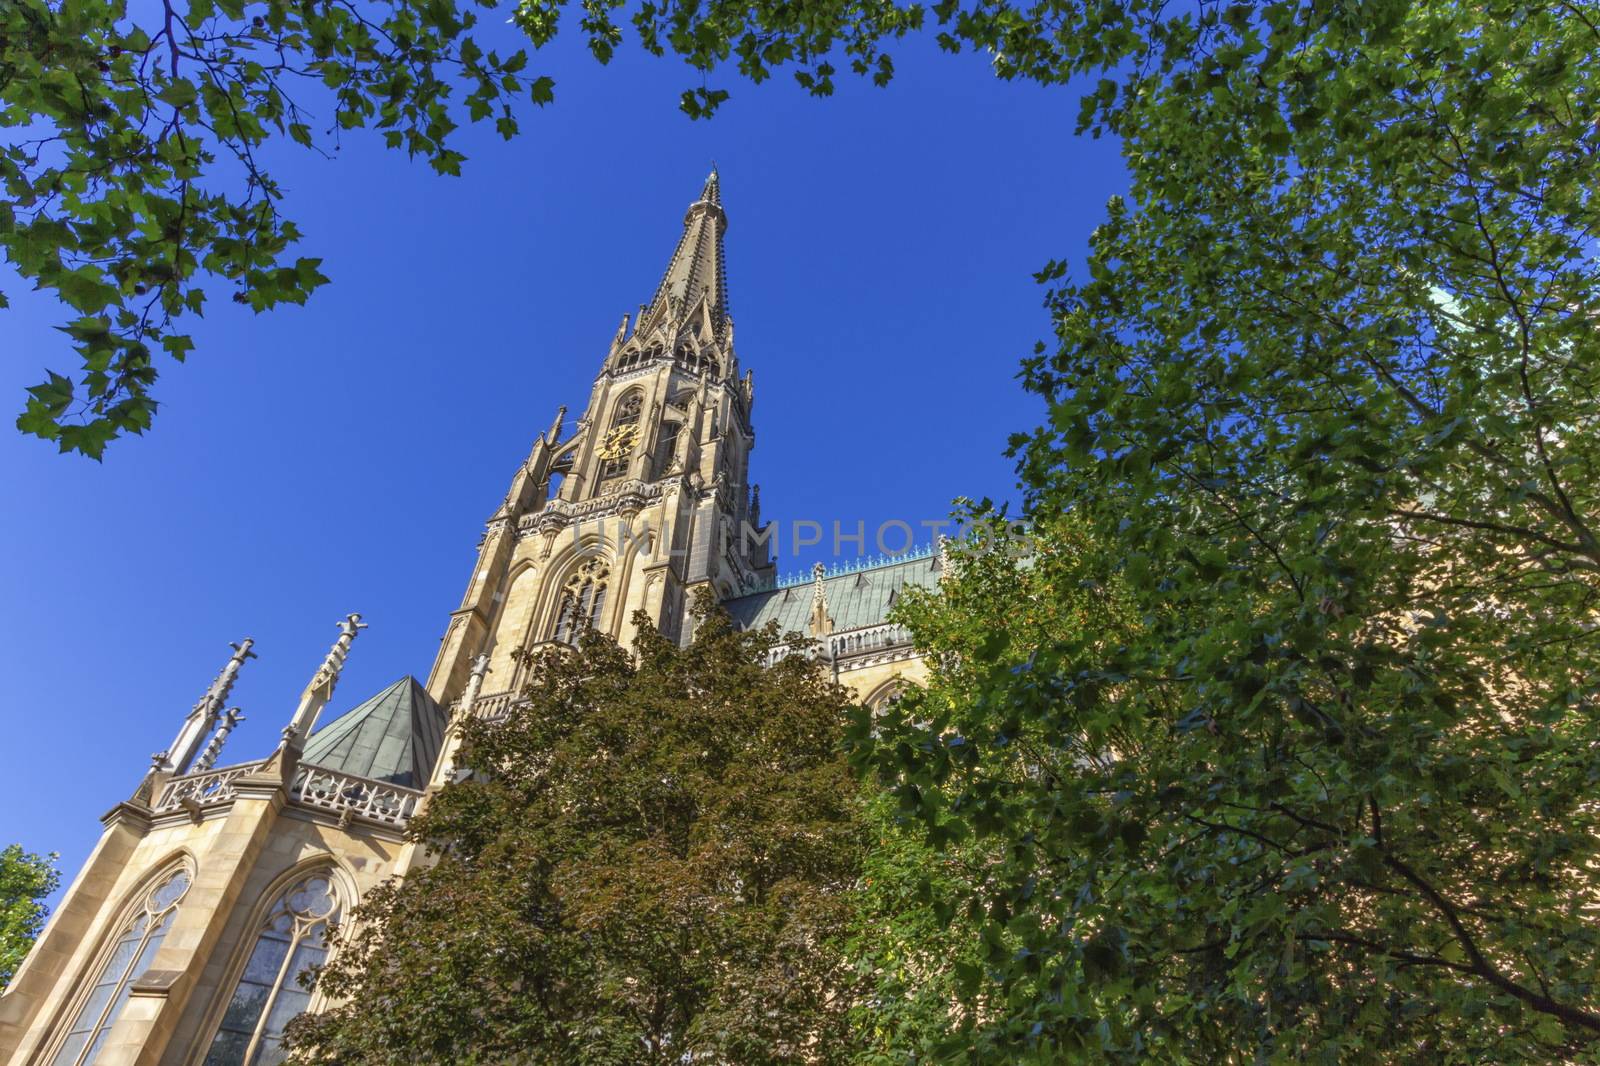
698, 266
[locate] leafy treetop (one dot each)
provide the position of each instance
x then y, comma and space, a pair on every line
1322, 398
652, 861
26, 880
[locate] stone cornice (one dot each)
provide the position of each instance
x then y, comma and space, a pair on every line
136, 815
860, 661
629, 497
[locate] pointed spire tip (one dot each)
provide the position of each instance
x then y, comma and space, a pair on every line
712, 191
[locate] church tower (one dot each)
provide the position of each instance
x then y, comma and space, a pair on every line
646, 499
182, 940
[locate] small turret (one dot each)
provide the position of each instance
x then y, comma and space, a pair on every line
320, 689
208, 758
821, 624
469, 697
177, 758
617, 339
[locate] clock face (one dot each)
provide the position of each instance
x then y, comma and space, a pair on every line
618, 442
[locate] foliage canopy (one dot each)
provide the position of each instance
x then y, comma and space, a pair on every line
1324, 398
927, 931
654, 861
26, 880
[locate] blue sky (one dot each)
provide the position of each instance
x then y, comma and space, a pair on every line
343, 456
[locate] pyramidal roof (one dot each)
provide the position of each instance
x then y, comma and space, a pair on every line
698, 266
394, 736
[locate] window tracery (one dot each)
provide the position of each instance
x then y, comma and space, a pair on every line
583, 598
292, 940
886, 695
137, 943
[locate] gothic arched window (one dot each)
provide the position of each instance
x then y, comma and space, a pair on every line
628, 409
666, 444
136, 944
879, 701
582, 600
292, 939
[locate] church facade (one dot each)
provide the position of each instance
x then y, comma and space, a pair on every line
213, 885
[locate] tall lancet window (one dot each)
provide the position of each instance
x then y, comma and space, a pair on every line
136, 944
666, 445
617, 446
582, 601
292, 940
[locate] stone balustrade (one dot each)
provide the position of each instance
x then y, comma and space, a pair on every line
567, 511
496, 705
313, 786
193, 791
868, 639
358, 797
849, 644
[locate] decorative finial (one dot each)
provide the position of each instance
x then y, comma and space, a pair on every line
208, 758
819, 600
469, 697
203, 717
333, 665
555, 427
320, 689
712, 193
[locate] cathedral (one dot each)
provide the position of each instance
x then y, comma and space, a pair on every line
213, 886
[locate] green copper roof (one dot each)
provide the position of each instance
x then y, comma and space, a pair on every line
855, 599
393, 737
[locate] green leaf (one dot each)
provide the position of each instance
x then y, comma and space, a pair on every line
85, 288
179, 92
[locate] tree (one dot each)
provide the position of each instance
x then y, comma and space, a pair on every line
135, 184
652, 862
1324, 397
135, 171
26, 881
925, 935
